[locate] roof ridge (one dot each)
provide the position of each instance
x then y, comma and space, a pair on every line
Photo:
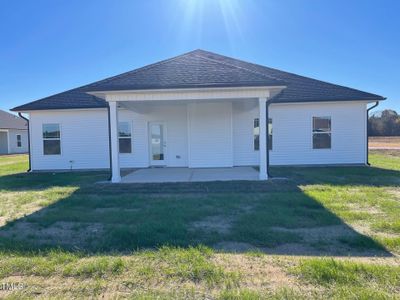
232, 65
146, 67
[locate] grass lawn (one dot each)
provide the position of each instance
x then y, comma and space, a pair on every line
323, 233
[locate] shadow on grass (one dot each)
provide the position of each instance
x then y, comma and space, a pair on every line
273, 217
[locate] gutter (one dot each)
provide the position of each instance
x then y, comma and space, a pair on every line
109, 141
367, 154
29, 140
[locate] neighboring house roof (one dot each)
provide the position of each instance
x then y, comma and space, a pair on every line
10, 121
202, 69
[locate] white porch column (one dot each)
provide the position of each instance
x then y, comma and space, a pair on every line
115, 171
263, 138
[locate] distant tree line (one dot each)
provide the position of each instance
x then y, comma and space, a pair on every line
384, 123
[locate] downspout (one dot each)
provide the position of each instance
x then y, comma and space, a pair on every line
29, 141
109, 140
373, 106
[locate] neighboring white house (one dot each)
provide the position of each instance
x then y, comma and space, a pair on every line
13, 134
199, 110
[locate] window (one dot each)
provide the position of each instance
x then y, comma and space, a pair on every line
125, 137
51, 139
269, 134
256, 134
322, 132
19, 141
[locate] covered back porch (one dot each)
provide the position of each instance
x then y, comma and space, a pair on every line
193, 134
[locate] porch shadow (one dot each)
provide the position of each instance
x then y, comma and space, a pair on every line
239, 216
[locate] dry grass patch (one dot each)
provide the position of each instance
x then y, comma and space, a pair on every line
384, 141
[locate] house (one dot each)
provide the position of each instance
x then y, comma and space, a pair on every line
13, 134
199, 110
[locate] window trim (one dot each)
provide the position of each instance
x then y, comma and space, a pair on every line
19, 142
254, 135
325, 132
126, 137
52, 139
269, 144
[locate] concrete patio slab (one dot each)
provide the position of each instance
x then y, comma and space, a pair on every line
158, 175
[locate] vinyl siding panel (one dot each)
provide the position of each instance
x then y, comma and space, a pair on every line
292, 134
13, 140
244, 113
174, 118
206, 134
210, 135
84, 139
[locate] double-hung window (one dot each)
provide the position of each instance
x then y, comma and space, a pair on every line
51, 139
256, 134
125, 137
19, 141
322, 136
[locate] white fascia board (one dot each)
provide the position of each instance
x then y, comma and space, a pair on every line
187, 94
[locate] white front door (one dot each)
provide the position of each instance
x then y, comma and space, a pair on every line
157, 143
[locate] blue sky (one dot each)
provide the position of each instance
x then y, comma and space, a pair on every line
51, 46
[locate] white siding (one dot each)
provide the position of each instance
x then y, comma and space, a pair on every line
244, 113
174, 118
292, 134
84, 139
217, 134
3, 142
210, 134
13, 141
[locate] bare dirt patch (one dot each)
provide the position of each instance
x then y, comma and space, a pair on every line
258, 273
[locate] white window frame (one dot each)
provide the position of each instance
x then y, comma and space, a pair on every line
254, 135
19, 141
325, 132
269, 144
126, 137
52, 139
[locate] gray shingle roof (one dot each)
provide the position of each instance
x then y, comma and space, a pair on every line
9, 121
198, 69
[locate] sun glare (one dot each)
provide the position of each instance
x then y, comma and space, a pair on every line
197, 15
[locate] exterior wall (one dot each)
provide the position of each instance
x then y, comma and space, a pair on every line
244, 113
204, 135
13, 141
174, 118
84, 139
3, 142
210, 134
8, 141
292, 133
